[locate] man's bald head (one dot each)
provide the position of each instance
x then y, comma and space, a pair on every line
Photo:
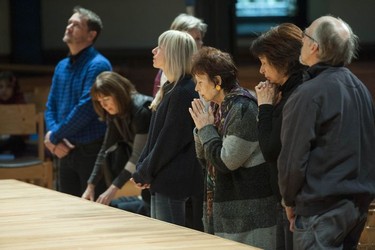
338, 44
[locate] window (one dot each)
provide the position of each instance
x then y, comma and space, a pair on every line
256, 16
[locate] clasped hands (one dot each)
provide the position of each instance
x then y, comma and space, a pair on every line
200, 114
267, 93
61, 149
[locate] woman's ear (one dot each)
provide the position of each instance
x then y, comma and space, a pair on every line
217, 80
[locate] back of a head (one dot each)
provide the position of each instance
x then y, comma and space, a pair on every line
185, 22
338, 45
94, 23
281, 45
214, 62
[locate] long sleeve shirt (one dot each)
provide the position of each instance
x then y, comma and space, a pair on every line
168, 161
70, 113
328, 138
269, 127
134, 130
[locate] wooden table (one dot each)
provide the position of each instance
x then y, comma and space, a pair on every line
32, 217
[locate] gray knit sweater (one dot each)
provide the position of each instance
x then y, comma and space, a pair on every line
243, 204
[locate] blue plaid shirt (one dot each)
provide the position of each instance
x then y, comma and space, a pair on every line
70, 113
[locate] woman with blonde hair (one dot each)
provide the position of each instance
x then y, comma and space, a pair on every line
168, 165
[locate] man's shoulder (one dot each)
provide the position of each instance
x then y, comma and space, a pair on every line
99, 58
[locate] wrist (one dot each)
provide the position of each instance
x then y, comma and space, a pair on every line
90, 186
113, 188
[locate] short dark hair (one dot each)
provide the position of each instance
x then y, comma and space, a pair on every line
94, 23
281, 45
214, 62
110, 83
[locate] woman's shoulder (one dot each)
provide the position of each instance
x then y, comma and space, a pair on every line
141, 101
185, 86
141, 107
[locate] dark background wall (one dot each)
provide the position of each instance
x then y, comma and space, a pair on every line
31, 33
31, 30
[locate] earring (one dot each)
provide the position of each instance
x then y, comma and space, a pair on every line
218, 87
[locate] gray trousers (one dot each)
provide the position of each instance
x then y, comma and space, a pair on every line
339, 228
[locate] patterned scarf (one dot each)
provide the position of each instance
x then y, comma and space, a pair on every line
221, 114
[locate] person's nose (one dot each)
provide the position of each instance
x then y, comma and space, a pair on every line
154, 50
197, 88
261, 70
69, 26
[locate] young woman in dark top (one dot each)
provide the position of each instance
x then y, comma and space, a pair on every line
278, 51
127, 115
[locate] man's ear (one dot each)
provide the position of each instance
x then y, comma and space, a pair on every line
92, 35
314, 48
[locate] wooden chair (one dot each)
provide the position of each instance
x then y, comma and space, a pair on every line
367, 239
24, 120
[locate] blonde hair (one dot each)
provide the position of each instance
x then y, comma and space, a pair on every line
179, 48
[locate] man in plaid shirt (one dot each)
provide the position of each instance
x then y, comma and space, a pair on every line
75, 133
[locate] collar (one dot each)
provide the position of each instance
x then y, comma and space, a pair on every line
74, 58
315, 70
292, 80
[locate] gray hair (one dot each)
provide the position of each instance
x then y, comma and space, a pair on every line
94, 23
338, 45
185, 22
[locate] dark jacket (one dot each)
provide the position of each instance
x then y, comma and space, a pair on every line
328, 138
168, 161
137, 122
269, 127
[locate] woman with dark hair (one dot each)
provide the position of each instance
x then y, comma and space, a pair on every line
239, 203
127, 115
278, 51
10, 93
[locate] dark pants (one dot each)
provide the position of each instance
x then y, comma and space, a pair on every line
194, 212
284, 237
339, 228
75, 169
167, 209
131, 204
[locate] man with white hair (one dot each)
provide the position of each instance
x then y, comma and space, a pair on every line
326, 164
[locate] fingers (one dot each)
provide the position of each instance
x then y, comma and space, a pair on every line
139, 185
291, 225
61, 150
103, 199
198, 106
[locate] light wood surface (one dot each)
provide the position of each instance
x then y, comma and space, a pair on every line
33, 217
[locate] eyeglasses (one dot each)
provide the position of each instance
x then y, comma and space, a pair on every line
308, 36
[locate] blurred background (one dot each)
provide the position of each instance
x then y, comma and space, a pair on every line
31, 33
